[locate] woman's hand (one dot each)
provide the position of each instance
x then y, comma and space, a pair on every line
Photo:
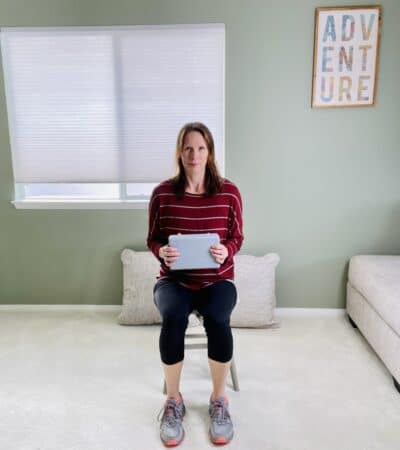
219, 252
168, 254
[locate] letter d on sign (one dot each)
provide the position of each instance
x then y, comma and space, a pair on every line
346, 18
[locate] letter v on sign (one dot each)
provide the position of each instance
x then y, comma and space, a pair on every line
367, 33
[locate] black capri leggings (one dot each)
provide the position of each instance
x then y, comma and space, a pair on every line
214, 302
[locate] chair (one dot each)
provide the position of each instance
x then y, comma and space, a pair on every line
235, 381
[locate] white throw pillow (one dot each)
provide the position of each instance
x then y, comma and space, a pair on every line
139, 276
140, 270
255, 284
254, 280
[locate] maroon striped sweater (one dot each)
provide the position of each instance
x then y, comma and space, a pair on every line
196, 213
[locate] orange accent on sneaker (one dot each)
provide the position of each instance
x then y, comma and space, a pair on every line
171, 443
220, 440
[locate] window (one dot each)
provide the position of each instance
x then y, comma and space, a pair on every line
94, 112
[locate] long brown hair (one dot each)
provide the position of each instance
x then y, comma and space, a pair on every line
213, 180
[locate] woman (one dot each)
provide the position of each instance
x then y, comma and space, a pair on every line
196, 200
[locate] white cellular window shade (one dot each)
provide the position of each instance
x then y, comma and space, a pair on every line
105, 104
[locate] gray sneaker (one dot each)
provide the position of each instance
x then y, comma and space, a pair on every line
171, 428
221, 426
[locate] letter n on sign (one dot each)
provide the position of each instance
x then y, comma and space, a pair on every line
346, 56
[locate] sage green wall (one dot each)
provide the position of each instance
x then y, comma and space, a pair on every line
318, 185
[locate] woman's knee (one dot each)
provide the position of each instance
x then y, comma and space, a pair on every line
174, 315
213, 319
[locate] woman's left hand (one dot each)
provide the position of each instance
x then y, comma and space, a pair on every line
219, 253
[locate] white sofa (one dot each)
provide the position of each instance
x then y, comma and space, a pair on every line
373, 306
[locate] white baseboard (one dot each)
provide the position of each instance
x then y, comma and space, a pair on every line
302, 312
280, 312
115, 308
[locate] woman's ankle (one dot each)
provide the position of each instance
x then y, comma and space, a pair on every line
176, 397
214, 396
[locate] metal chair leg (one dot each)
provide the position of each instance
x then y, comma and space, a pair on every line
234, 376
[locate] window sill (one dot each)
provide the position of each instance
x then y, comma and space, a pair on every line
80, 204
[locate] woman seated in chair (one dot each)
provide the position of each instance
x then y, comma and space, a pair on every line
196, 200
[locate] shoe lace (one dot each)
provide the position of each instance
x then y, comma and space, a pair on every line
219, 412
170, 413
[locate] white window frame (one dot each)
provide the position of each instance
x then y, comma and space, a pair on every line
124, 201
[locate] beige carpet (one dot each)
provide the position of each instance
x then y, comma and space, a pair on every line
79, 381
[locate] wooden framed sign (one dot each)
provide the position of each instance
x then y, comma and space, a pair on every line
346, 56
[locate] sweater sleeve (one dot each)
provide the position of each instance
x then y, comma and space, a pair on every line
155, 239
235, 232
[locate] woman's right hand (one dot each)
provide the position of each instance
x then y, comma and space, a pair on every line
168, 254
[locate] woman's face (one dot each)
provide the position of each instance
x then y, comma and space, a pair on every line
194, 153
